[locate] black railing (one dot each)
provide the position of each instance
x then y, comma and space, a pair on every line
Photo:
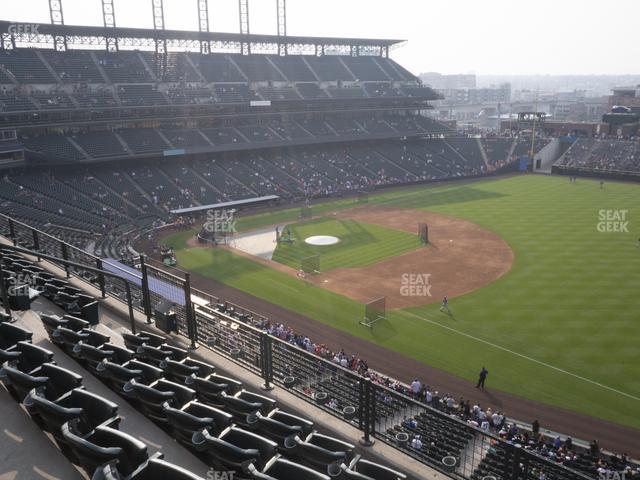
445, 442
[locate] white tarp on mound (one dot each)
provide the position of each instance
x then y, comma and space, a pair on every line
322, 240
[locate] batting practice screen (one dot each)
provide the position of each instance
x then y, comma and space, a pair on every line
305, 212
374, 311
423, 233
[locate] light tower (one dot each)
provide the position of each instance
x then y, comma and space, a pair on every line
109, 21
157, 8
243, 10
281, 10
203, 23
57, 18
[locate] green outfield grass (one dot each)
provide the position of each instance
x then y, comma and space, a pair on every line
561, 327
360, 244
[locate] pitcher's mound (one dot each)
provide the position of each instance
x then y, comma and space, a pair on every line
321, 240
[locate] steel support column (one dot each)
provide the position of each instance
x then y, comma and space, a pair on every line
243, 10
203, 23
3, 288
192, 327
57, 18
157, 7
281, 7
266, 360
146, 298
109, 21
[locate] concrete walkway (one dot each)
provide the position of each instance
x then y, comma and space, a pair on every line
26, 452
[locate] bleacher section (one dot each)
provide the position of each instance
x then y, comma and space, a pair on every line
143, 140
14, 101
439, 436
234, 93
25, 67
604, 155
365, 68
120, 183
52, 99
74, 66
347, 92
394, 70
159, 188
100, 97
382, 90
257, 68
229, 187
124, 67
52, 147
136, 95
294, 68
223, 136
286, 93
192, 78
497, 149
175, 67
184, 138
154, 188
469, 148
217, 68
311, 91
100, 144
329, 68
88, 184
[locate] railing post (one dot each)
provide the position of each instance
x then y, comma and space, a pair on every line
101, 281
266, 360
132, 318
3, 287
369, 408
192, 329
12, 233
515, 462
36, 242
362, 400
146, 301
65, 257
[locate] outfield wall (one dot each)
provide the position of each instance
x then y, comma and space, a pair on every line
592, 173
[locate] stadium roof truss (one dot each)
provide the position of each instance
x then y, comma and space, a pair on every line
17, 35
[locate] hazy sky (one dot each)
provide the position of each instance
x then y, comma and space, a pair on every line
448, 36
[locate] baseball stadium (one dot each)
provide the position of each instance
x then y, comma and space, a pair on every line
265, 257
